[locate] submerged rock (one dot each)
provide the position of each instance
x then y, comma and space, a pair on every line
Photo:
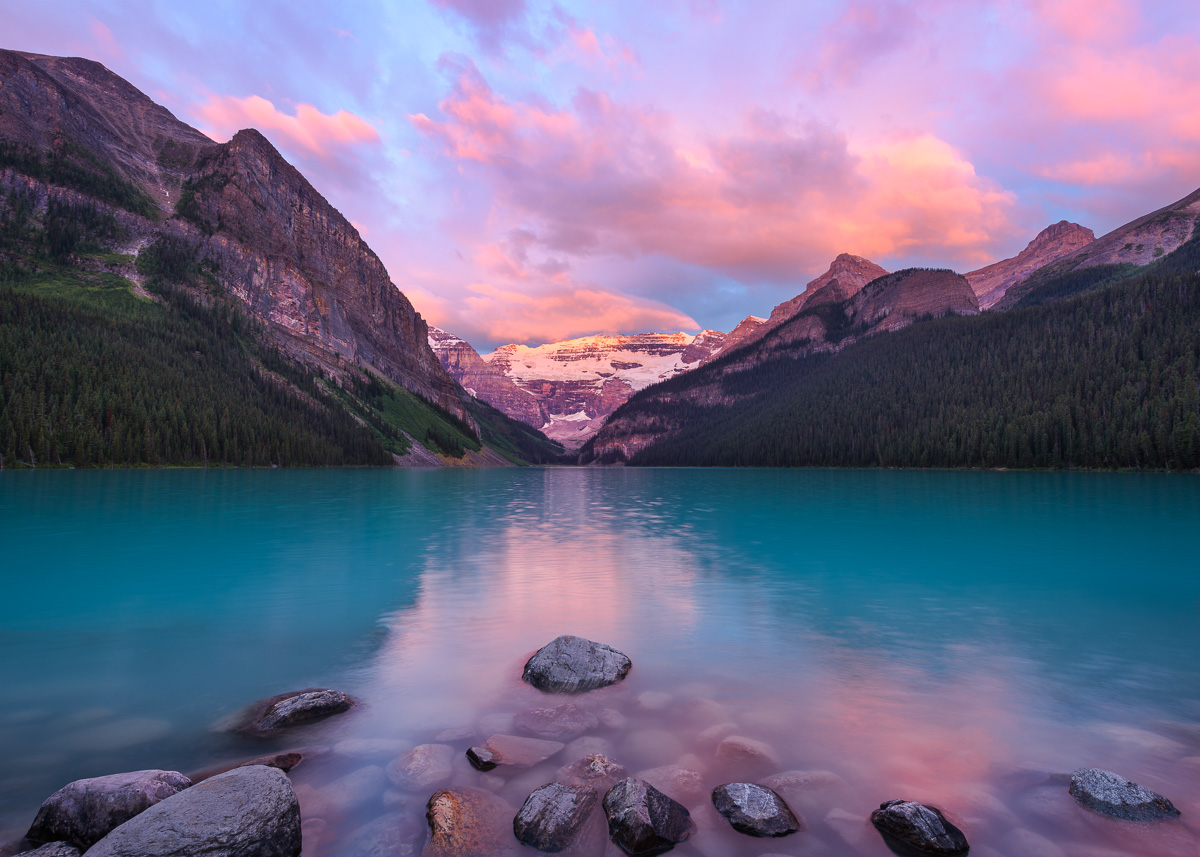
755, 810
560, 724
574, 665
682, 784
85, 811
297, 708
1111, 794
643, 821
596, 770
512, 752
283, 761
922, 828
552, 816
741, 753
246, 812
466, 822
423, 767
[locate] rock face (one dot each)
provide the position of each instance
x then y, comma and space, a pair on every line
560, 724
755, 810
574, 665
85, 811
1111, 794
897, 300
567, 389
246, 812
552, 816
642, 820
296, 708
920, 827
466, 822
1051, 244
512, 752
287, 255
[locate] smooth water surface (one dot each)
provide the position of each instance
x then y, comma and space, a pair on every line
953, 638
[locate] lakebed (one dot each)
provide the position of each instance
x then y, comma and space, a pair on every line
961, 639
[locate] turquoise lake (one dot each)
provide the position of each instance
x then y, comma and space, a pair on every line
954, 638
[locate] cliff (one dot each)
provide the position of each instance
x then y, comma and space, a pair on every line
1051, 244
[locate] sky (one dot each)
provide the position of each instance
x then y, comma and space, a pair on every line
532, 171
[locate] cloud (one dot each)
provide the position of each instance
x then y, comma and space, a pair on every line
773, 199
104, 41
309, 130
493, 21
863, 34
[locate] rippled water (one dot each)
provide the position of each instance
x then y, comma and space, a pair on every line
953, 638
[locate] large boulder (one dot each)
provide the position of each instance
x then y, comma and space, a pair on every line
921, 828
296, 708
1111, 794
755, 810
643, 821
552, 816
559, 724
512, 753
574, 665
53, 849
467, 822
246, 812
83, 812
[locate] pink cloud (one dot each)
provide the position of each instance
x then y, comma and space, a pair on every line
104, 41
775, 199
492, 20
866, 31
309, 131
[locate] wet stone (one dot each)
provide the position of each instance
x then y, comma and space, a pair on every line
297, 708
1112, 795
560, 724
468, 822
681, 783
919, 827
512, 752
53, 849
283, 761
570, 664
643, 821
424, 766
85, 811
755, 810
553, 816
746, 753
596, 770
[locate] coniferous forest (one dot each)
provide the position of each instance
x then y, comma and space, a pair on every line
1108, 379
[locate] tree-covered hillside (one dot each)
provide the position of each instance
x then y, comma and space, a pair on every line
1103, 379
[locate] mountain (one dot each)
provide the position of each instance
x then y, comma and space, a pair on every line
1051, 244
1137, 244
101, 186
484, 380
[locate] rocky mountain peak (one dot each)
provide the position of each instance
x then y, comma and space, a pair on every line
1051, 244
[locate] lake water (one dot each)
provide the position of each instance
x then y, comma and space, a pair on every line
953, 638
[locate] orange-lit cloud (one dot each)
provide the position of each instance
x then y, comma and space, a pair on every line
309, 130
771, 200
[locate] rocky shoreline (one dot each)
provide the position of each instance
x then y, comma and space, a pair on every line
592, 804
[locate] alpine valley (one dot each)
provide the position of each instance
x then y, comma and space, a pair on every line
168, 300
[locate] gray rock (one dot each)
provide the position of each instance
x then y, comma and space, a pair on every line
297, 708
552, 816
85, 811
1111, 794
642, 820
596, 770
919, 827
560, 724
755, 810
246, 812
512, 752
54, 849
423, 767
467, 822
574, 665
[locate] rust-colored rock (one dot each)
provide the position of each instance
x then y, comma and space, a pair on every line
1051, 244
468, 822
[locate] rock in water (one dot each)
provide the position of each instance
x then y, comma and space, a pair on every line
512, 752
1111, 794
642, 820
755, 810
919, 827
466, 822
246, 812
553, 815
574, 665
268, 716
85, 811
54, 849
596, 770
283, 761
560, 724
423, 767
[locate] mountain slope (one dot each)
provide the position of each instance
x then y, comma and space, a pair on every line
1051, 244
97, 181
